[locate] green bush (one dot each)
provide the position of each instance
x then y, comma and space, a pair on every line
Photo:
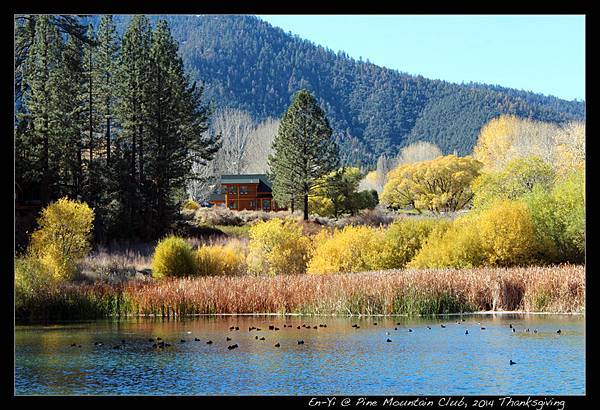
63, 237
278, 247
173, 256
559, 220
519, 178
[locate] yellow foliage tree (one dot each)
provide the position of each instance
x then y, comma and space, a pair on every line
439, 185
63, 237
173, 257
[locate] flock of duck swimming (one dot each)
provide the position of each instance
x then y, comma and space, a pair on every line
159, 343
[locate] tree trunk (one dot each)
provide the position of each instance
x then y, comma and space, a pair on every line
306, 207
108, 141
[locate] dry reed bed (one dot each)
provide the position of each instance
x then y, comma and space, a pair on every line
528, 289
547, 289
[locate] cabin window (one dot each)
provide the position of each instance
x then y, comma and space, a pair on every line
232, 205
266, 204
243, 190
253, 204
232, 189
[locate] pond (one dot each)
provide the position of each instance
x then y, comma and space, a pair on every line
422, 357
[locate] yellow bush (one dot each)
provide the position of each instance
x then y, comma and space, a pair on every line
190, 205
173, 256
278, 247
457, 246
220, 260
352, 249
63, 237
502, 235
507, 234
403, 239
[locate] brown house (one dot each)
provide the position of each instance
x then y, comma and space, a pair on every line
249, 191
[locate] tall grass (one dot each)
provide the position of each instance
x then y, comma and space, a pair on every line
411, 292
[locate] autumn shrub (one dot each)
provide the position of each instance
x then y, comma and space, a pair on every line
173, 256
501, 235
507, 234
403, 239
190, 204
63, 237
220, 260
278, 247
351, 249
457, 245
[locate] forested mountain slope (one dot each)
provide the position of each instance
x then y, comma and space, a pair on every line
248, 64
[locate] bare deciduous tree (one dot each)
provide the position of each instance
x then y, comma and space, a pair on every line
417, 152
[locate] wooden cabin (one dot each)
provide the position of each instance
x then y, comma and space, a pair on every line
247, 191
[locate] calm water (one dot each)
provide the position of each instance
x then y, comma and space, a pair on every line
337, 359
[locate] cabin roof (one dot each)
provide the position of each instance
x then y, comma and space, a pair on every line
246, 179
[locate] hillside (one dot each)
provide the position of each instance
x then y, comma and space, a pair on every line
246, 63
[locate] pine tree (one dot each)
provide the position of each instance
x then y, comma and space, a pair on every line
35, 139
105, 78
303, 150
133, 95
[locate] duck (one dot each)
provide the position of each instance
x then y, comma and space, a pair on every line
298, 327
98, 343
256, 337
235, 346
209, 342
389, 340
511, 362
158, 338
277, 344
237, 328
443, 326
154, 346
116, 347
534, 330
231, 328
375, 324
395, 328
276, 328
196, 339
228, 338
300, 342
466, 332
482, 328
182, 341
387, 333
150, 340
513, 330
271, 327
510, 325
429, 327
262, 338
314, 327
409, 330
558, 331
73, 344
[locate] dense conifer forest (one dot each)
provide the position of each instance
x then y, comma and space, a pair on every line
248, 64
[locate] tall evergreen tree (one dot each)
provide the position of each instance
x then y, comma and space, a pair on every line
303, 150
133, 96
36, 134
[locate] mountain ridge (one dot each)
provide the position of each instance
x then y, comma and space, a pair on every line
247, 63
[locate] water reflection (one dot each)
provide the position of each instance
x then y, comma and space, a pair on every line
338, 359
